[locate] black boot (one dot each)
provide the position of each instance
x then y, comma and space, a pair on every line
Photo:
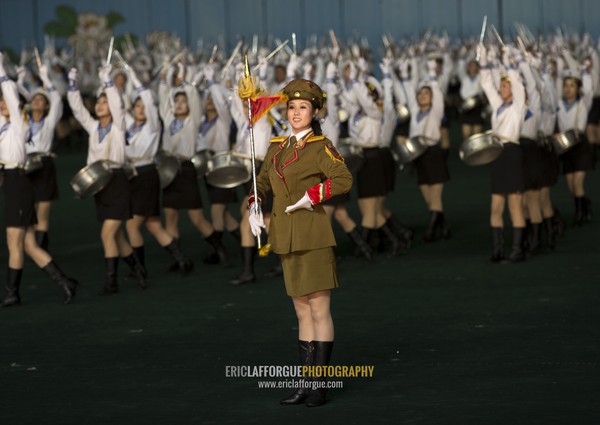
550, 233
444, 227
498, 245
219, 255
317, 397
361, 244
56, 274
406, 234
183, 263
41, 239
247, 276
236, 234
111, 285
306, 359
434, 222
13, 282
140, 254
578, 222
535, 238
277, 269
517, 253
396, 245
587, 209
375, 241
139, 272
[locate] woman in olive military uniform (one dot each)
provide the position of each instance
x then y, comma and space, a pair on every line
302, 170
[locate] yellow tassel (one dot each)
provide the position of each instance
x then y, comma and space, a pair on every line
264, 250
248, 88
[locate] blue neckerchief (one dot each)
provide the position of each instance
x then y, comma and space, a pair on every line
175, 126
503, 107
132, 131
207, 125
35, 127
103, 131
4, 127
528, 114
568, 105
422, 114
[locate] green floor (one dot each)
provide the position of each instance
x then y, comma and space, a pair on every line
453, 339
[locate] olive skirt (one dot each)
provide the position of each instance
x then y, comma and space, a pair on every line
305, 272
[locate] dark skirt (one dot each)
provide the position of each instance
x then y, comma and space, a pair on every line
432, 166
551, 167
183, 193
44, 182
371, 177
507, 170
19, 199
114, 201
145, 192
473, 116
217, 195
579, 158
533, 163
305, 272
389, 168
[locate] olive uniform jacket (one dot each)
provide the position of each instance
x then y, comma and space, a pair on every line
311, 165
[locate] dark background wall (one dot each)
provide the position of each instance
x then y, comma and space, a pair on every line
22, 21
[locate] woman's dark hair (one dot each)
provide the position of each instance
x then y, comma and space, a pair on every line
316, 127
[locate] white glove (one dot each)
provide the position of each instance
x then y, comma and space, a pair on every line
492, 55
431, 68
44, 76
404, 69
304, 202
104, 73
2, 72
21, 74
386, 66
209, 73
181, 71
73, 76
483, 59
506, 58
353, 72
255, 219
134, 79
335, 52
263, 67
331, 71
292, 66
362, 65
306, 70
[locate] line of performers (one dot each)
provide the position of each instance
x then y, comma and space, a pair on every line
194, 108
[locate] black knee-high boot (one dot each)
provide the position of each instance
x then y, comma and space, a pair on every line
317, 396
535, 238
140, 254
307, 355
236, 234
68, 284
396, 245
560, 225
13, 281
406, 234
247, 275
219, 254
444, 227
517, 253
138, 270
587, 209
277, 269
434, 222
361, 244
111, 285
41, 239
182, 262
578, 221
498, 245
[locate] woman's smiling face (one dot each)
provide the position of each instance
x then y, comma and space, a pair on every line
300, 114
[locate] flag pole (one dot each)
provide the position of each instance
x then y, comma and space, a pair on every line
252, 152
